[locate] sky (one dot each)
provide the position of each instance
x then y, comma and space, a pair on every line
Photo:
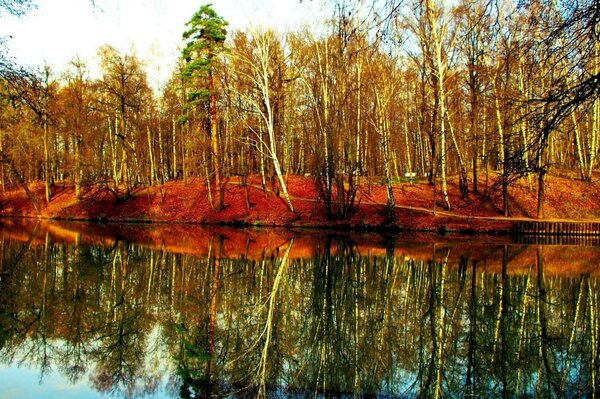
60, 30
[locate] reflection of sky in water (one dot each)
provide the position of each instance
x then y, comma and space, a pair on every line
23, 382
18, 382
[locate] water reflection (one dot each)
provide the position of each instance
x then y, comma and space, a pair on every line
138, 313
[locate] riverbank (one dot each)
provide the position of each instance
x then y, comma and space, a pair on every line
175, 202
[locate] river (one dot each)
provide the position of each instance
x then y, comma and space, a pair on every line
156, 311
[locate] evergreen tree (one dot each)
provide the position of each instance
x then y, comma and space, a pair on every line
204, 41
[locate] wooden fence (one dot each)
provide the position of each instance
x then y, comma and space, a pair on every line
563, 229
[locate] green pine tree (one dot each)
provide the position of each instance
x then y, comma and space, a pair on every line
205, 40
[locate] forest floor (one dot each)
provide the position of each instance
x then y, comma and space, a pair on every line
174, 202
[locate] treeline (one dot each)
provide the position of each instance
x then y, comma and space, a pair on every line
376, 91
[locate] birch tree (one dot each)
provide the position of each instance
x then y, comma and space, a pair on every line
260, 68
436, 30
385, 90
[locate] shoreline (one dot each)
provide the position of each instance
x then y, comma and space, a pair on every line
249, 206
440, 227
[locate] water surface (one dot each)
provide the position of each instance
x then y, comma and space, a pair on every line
177, 311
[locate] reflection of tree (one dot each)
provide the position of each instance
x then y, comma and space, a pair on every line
335, 337
75, 351
120, 352
472, 377
504, 324
549, 371
594, 331
11, 255
345, 321
195, 362
572, 335
436, 314
267, 332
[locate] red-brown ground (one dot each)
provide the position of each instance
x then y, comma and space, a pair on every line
175, 202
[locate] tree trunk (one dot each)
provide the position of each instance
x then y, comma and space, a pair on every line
185, 132
78, 171
174, 135
593, 141
438, 69
498, 122
151, 157
474, 119
214, 139
541, 194
112, 139
578, 150
523, 127
2, 172
124, 171
595, 132
463, 182
505, 180
161, 158
324, 125
406, 135
383, 130
47, 186
261, 154
276, 165
207, 178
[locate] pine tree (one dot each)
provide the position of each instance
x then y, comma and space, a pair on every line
204, 41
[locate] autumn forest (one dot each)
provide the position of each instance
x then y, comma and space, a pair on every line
382, 91
400, 198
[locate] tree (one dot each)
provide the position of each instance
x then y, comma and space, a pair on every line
436, 40
474, 31
570, 88
48, 90
205, 40
124, 86
76, 105
37, 93
332, 81
261, 65
384, 90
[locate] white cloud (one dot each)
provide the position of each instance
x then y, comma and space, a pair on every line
59, 30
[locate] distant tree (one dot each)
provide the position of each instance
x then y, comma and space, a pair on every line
77, 115
36, 91
17, 109
474, 25
124, 86
205, 40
